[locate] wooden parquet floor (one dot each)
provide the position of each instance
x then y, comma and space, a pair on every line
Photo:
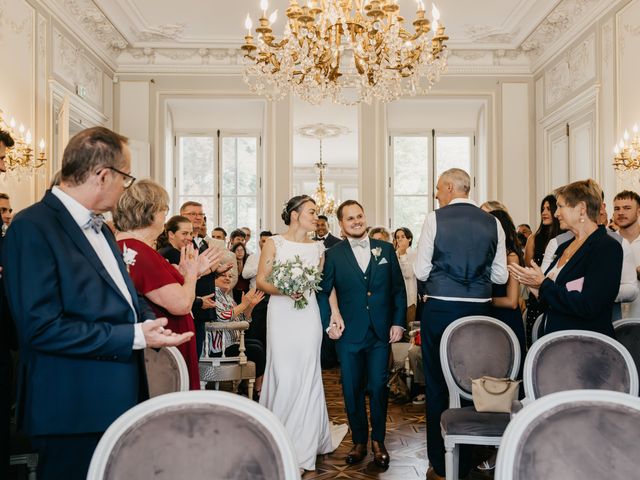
405, 441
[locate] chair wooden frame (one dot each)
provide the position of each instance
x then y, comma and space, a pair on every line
535, 331
245, 407
451, 442
536, 348
234, 369
519, 425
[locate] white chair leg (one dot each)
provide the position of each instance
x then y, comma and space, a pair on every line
252, 381
448, 460
217, 385
456, 463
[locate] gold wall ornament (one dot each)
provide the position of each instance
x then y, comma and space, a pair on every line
627, 152
21, 159
346, 51
325, 203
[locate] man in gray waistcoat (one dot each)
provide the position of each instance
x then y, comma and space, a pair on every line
460, 254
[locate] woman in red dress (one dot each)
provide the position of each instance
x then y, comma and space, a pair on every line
139, 218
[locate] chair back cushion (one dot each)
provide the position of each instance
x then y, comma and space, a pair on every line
478, 347
577, 441
197, 442
163, 373
628, 334
574, 362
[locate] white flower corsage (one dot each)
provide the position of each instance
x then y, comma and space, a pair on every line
376, 252
128, 256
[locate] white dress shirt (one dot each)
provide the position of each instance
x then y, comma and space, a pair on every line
81, 215
250, 269
632, 309
362, 254
423, 265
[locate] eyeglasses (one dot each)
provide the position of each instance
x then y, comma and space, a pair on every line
194, 214
128, 179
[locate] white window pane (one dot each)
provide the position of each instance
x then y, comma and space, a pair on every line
196, 166
247, 165
229, 214
453, 152
410, 212
247, 217
229, 165
410, 165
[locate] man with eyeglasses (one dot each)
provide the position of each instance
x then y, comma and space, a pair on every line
81, 326
9, 340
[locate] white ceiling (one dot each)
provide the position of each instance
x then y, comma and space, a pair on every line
471, 24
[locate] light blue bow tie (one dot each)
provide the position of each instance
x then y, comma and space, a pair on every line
364, 243
95, 222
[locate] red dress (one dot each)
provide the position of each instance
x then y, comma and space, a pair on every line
150, 272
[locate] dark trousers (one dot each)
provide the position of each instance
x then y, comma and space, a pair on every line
200, 335
328, 354
258, 326
360, 362
253, 350
436, 316
5, 410
64, 456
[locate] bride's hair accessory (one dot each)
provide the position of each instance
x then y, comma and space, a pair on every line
294, 204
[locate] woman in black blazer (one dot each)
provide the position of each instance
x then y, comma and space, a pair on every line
581, 285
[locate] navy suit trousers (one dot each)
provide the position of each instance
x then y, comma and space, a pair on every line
359, 362
435, 317
65, 456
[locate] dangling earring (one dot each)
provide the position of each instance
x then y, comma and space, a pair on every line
581, 219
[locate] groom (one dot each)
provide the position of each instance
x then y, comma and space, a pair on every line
372, 300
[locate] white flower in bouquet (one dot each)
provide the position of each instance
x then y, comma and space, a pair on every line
294, 277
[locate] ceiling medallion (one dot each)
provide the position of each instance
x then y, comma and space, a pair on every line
346, 51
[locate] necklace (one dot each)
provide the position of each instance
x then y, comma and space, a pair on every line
570, 251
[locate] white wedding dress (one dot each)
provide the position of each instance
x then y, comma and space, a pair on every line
292, 387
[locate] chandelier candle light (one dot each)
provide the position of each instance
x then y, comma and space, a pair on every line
21, 159
346, 51
627, 152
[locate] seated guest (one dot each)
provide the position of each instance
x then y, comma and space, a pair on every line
402, 241
236, 237
524, 230
219, 233
139, 217
242, 285
491, 205
380, 233
323, 234
178, 233
505, 301
581, 285
228, 310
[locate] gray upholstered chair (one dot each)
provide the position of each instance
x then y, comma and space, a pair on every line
472, 347
196, 435
573, 435
166, 371
575, 360
538, 328
628, 334
224, 369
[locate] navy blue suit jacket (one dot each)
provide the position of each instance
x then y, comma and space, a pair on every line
376, 298
598, 265
78, 371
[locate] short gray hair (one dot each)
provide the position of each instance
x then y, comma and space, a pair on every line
459, 178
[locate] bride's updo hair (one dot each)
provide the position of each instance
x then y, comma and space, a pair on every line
294, 205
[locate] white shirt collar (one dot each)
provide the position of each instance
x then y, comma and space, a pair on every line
81, 214
462, 200
366, 238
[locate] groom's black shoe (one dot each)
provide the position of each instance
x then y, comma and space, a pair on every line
357, 453
380, 455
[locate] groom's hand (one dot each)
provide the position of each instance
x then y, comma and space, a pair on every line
336, 326
395, 334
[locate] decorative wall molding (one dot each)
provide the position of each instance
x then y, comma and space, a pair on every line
572, 70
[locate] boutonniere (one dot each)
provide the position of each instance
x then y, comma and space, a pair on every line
376, 252
128, 256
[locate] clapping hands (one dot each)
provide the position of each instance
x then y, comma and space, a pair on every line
157, 336
209, 260
252, 297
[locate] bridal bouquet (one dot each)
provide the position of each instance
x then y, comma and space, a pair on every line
294, 276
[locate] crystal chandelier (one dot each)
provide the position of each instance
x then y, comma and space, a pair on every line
346, 51
627, 152
21, 158
325, 203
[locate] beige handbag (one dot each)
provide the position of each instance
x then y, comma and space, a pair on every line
494, 395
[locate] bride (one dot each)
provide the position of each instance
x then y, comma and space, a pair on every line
292, 387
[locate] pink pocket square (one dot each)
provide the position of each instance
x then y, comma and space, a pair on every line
575, 285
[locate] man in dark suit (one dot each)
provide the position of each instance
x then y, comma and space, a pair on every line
76, 310
8, 339
460, 254
323, 234
372, 307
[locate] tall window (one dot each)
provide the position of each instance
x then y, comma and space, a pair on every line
221, 171
417, 160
